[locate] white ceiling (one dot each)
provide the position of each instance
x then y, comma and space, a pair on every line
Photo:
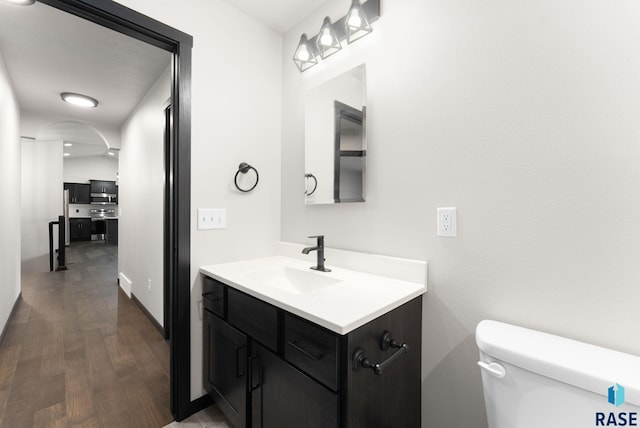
279, 15
47, 51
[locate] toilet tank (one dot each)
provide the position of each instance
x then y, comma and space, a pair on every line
533, 379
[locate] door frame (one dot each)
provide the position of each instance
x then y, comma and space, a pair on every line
177, 227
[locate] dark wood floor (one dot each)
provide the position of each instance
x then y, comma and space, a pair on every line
78, 352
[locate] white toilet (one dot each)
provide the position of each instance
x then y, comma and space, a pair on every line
537, 380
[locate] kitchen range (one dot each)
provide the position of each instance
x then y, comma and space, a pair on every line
104, 225
91, 211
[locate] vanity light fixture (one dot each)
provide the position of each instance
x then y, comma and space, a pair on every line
327, 41
305, 56
79, 100
354, 25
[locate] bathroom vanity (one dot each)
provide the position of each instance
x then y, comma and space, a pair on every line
283, 347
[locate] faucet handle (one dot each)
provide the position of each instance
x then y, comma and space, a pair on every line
320, 239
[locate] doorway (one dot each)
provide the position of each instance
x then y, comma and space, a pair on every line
177, 204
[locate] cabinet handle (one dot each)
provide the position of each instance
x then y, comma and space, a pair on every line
240, 359
310, 354
256, 369
359, 358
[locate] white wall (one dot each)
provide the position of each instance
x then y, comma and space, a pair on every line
42, 201
236, 111
521, 114
10, 193
141, 198
83, 169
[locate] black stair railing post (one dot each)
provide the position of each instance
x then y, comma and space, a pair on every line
51, 223
62, 262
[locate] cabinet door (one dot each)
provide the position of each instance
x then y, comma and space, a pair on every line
96, 186
225, 372
82, 194
286, 398
80, 229
75, 231
109, 187
112, 232
78, 193
101, 186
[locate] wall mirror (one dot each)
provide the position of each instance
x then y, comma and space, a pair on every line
335, 139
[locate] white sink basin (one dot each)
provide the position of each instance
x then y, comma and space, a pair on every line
292, 280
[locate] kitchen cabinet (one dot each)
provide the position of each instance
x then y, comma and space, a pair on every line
102, 186
111, 235
80, 229
78, 193
268, 368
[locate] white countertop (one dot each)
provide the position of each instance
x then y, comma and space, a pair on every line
342, 307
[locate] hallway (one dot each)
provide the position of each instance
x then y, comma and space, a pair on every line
78, 352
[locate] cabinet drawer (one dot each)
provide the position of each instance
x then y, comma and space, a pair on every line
254, 317
312, 349
213, 296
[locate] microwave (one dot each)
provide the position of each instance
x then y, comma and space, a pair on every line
103, 199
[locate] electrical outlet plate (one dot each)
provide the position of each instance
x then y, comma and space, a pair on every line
447, 224
212, 218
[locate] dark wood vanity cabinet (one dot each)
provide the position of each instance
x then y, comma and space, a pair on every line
225, 371
268, 368
282, 396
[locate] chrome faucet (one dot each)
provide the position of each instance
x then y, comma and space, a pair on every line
320, 249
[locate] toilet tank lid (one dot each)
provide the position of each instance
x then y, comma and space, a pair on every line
580, 364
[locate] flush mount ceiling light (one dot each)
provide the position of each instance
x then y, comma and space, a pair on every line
68, 144
79, 100
354, 25
21, 2
66, 154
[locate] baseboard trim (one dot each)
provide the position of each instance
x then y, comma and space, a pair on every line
144, 310
13, 311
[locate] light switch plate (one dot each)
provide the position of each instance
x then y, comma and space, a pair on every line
212, 218
447, 224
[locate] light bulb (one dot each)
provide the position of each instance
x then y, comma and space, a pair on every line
354, 20
303, 54
325, 38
